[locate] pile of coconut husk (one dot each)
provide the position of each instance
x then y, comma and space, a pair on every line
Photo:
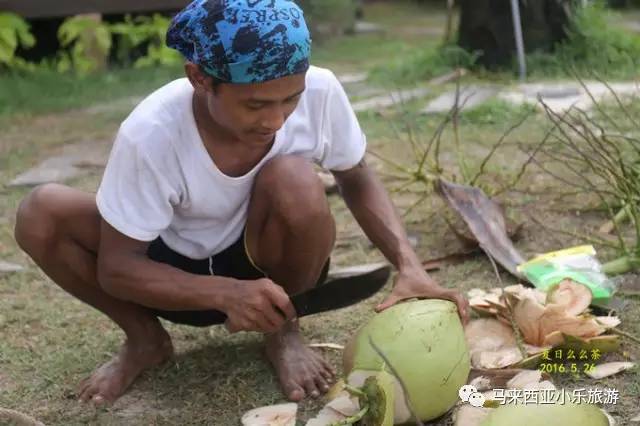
520, 323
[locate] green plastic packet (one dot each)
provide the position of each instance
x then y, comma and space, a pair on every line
578, 264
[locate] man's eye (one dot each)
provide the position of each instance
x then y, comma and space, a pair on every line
255, 107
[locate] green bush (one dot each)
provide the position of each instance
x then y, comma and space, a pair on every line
14, 33
593, 45
87, 42
149, 32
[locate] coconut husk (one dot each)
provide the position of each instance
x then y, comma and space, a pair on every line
556, 318
609, 369
326, 417
575, 298
492, 344
609, 321
272, 415
485, 379
468, 415
524, 379
527, 315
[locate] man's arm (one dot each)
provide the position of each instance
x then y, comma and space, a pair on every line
127, 273
372, 207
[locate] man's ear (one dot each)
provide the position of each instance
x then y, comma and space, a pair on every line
199, 80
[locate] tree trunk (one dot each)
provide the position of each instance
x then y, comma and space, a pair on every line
487, 26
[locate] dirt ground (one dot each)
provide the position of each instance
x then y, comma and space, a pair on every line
49, 341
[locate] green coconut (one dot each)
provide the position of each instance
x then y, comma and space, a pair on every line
547, 414
424, 343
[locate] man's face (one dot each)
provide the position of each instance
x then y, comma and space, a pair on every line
253, 113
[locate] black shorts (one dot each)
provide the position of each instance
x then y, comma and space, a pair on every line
233, 262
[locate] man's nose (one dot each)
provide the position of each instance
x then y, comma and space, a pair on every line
274, 120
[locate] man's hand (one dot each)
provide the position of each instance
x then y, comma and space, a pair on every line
259, 305
416, 283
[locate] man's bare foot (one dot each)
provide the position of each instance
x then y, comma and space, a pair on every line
301, 371
112, 379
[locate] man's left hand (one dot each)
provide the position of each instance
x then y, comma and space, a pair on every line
416, 283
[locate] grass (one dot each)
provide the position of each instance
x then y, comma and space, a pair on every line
48, 91
49, 341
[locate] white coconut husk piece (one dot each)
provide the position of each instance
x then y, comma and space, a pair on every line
345, 404
492, 344
574, 297
481, 383
326, 417
468, 415
608, 321
518, 292
524, 378
609, 369
636, 419
272, 415
476, 292
336, 410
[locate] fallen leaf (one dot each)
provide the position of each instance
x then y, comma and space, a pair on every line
609, 369
486, 222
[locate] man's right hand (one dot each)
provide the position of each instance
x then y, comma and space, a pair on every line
257, 305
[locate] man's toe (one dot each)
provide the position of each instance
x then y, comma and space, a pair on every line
295, 393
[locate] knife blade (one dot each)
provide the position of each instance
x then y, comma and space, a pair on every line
341, 292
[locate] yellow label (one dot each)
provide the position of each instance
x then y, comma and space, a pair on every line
588, 250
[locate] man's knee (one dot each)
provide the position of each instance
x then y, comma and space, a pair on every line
35, 227
293, 189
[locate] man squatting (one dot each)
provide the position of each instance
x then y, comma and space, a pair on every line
209, 210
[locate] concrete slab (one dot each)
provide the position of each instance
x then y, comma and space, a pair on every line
469, 98
390, 99
74, 161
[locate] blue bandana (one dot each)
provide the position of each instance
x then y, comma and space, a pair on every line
243, 41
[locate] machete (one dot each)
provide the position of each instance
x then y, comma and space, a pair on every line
341, 292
